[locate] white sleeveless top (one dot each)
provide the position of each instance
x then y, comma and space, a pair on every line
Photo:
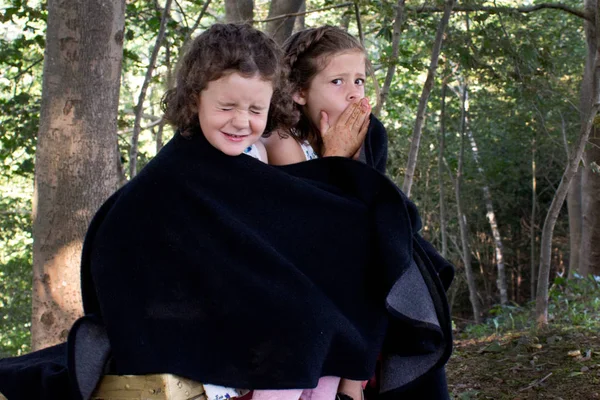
252, 151
309, 153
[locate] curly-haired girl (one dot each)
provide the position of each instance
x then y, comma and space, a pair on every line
231, 87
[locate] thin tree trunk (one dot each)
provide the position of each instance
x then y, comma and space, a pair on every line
344, 21
76, 157
533, 219
491, 215
590, 93
281, 29
139, 109
239, 10
462, 219
553, 211
299, 24
161, 126
361, 35
190, 34
442, 146
575, 215
416, 137
393, 61
574, 206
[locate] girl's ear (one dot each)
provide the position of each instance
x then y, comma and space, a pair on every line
299, 97
193, 105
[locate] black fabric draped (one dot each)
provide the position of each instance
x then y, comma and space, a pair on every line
229, 271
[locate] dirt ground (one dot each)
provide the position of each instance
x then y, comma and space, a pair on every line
560, 363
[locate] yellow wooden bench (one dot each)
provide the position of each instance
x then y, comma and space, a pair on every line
147, 387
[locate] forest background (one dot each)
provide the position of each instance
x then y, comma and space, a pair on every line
489, 106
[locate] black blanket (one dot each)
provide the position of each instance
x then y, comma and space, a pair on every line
229, 271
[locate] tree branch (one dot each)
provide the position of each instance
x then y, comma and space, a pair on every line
497, 10
142, 128
23, 71
359, 24
302, 13
197, 23
140, 105
394, 58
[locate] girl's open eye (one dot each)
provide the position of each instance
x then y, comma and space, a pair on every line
337, 81
359, 82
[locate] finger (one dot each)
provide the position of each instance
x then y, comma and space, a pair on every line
362, 133
364, 110
349, 115
324, 122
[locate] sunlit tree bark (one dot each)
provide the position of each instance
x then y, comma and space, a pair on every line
76, 157
491, 216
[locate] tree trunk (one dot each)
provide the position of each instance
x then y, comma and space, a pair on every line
76, 156
491, 216
416, 138
590, 103
462, 219
139, 109
300, 23
575, 223
442, 146
590, 93
281, 29
239, 10
392, 62
533, 219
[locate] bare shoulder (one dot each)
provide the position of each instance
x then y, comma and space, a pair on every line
283, 151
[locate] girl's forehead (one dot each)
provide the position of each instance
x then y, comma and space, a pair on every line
343, 59
235, 86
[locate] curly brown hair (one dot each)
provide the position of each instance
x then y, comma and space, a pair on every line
307, 53
221, 49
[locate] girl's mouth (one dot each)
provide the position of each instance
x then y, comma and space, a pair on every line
234, 138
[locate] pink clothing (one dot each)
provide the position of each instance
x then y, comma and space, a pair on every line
326, 390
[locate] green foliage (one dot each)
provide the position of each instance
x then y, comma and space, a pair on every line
21, 54
574, 302
15, 269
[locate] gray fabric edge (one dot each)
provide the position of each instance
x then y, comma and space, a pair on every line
406, 297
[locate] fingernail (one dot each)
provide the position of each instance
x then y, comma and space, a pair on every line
364, 104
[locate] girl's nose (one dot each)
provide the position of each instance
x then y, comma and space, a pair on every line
354, 94
240, 120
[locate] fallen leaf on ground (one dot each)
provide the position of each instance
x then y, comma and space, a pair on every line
574, 353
